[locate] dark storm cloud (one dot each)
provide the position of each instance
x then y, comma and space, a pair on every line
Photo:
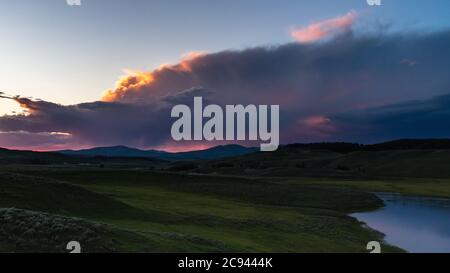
313, 84
420, 119
27, 140
96, 123
186, 96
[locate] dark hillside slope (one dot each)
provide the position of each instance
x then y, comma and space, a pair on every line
339, 160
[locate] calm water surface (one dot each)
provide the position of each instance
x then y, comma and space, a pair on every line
416, 224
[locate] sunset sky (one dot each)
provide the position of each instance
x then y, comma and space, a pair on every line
107, 72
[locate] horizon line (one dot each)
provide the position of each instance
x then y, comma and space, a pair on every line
207, 147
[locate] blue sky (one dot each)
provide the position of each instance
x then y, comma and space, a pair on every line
68, 55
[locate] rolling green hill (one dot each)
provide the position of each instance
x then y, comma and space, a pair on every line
305, 162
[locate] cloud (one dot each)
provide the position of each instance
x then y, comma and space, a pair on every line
136, 81
409, 62
186, 96
428, 118
22, 140
91, 124
314, 84
312, 128
325, 29
361, 66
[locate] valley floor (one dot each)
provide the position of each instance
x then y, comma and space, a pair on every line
146, 211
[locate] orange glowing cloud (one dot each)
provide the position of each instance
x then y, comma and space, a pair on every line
132, 81
187, 58
27, 105
327, 28
136, 80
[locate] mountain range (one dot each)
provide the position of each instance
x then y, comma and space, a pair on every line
216, 152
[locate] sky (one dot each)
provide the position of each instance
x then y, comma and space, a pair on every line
101, 73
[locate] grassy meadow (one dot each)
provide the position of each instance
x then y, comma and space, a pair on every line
148, 211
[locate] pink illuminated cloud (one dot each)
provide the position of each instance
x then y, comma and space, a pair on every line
323, 29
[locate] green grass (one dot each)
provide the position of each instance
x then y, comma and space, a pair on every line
24, 231
192, 213
69, 202
431, 187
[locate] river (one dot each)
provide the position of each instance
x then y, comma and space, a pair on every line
415, 224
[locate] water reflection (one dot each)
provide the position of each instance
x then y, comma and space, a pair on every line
415, 224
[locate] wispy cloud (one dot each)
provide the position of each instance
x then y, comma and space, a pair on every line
324, 29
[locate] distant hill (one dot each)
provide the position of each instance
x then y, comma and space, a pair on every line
402, 158
114, 151
401, 144
121, 155
410, 144
28, 157
52, 158
123, 151
215, 152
